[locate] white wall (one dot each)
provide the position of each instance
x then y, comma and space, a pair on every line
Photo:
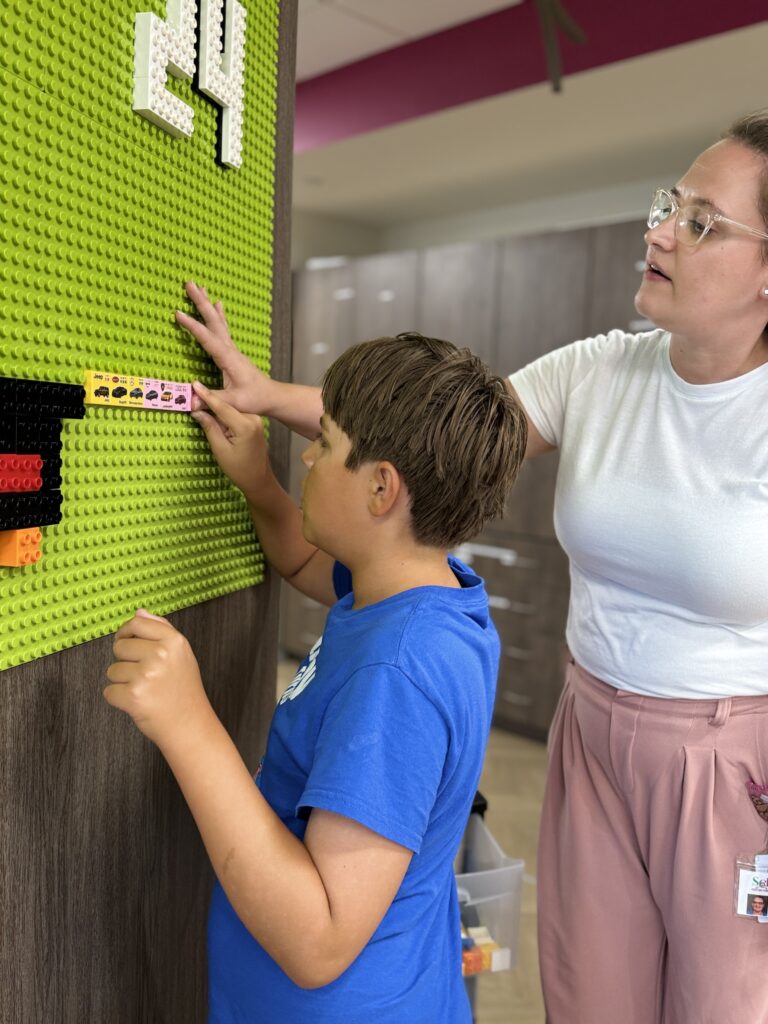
319, 235
315, 234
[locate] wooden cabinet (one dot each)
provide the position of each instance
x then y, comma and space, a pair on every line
385, 294
323, 319
618, 261
543, 296
458, 295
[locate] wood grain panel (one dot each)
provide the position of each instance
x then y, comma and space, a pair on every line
324, 320
385, 294
104, 882
545, 283
458, 296
619, 250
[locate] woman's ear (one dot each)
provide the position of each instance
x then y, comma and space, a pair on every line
384, 487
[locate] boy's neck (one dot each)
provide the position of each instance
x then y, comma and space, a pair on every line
385, 574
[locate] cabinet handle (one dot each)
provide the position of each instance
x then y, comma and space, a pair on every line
505, 556
516, 698
518, 653
505, 605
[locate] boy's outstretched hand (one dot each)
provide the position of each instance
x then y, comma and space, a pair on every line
156, 680
237, 441
246, 387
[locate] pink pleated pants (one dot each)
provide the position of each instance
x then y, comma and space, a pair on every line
645, 812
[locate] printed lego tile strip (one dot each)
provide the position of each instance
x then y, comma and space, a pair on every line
105, 216
130, 392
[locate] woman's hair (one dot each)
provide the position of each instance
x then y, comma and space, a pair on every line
752, 131
437, 413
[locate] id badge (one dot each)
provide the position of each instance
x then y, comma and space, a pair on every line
751, 887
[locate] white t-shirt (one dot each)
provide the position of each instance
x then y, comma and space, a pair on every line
662, 507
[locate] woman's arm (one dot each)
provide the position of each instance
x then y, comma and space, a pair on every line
536, 443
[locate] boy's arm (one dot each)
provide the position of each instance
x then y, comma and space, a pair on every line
246, 387
313, 906
238, 444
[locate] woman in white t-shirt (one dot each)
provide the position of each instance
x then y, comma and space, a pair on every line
662, 507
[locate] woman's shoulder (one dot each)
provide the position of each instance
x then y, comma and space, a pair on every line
618, 345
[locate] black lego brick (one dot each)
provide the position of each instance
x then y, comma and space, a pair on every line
21, 511
41, 399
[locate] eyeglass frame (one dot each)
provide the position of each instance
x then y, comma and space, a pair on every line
715, 216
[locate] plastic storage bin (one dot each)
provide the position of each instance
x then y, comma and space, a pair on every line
491, 884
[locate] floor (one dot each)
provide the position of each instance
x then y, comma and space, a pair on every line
513, 784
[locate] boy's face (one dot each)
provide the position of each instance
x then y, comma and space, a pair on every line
334, 498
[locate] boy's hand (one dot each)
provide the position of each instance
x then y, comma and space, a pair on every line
246, 387
237, 441
155, 678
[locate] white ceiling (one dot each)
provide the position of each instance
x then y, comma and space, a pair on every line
333, 33
633, 120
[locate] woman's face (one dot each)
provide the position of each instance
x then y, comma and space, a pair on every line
758, 905
716, 286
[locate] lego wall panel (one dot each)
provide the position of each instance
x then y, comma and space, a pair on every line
105, 215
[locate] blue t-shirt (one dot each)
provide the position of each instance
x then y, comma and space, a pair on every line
386, 723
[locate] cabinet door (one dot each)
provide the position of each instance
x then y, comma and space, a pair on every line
530, 505
543, 300
619, 259
527, 584
324, 319
543, 304
385, 294
457, 297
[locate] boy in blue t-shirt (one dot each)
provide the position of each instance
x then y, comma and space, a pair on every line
335, 899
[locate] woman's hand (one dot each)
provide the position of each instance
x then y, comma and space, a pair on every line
246, 387
237, 442
156, 680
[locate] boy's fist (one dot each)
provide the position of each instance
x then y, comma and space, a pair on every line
155, 678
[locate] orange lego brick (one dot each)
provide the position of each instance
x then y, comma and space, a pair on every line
20, 547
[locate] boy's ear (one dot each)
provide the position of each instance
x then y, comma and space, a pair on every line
384, 487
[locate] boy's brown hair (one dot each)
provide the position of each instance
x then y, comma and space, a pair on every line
437, 413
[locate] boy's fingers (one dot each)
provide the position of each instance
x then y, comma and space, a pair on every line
119, 696
199, 331
144, 614
225, 412
127, 649
214, 431
120, 672
143, 629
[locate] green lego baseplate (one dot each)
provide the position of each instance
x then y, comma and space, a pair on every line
105, 215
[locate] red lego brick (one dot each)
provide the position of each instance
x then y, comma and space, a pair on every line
19, 473
20, 547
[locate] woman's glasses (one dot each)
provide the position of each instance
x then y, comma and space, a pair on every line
693, 220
